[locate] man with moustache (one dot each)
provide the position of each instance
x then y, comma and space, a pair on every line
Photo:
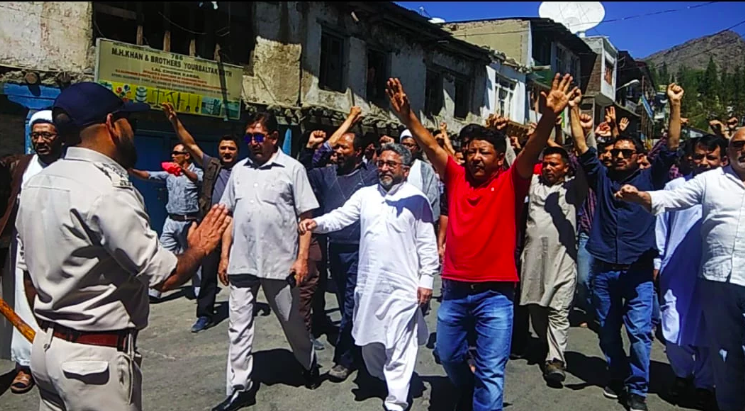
87, 247
333, 187
47, 145
214, 179
268, 193
398, 261
721, 285
678, 236
182, 206
622, 243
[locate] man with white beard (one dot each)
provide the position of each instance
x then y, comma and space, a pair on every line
398, 261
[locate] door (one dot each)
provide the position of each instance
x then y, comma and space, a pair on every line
151, 152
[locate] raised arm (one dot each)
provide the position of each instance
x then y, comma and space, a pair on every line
575, 122
447, 144
610, 118
675, 97
184, 136
354, 116
142, 175
556, 100
401, 107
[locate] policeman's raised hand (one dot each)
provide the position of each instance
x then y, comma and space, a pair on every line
207, 235
628, 193
558, 98
675, 93
399, 101
170, 112
315, 139
307, 225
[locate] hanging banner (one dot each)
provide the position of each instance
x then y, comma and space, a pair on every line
193, 85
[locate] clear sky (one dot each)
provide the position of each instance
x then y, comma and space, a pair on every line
641, 36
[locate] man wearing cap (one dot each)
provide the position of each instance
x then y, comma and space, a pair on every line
48, 149
422, 175
86, 245
182, 206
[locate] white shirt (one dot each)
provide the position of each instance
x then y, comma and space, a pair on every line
722, 196
398, 254
415, 175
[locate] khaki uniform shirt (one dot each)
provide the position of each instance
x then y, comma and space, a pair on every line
266, 201
87, 243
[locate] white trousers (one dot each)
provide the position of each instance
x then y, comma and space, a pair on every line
73, 376
689, 361
284, 301
552, 327
395, 366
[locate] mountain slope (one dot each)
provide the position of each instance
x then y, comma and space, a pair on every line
727, 48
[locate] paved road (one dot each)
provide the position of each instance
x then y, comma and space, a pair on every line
185, 371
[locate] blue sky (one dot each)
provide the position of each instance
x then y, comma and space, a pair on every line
641, 36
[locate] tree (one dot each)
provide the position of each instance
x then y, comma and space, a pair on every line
737, 101
709, 88
725, 92
664, 75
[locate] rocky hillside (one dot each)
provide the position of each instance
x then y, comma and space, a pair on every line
727, 48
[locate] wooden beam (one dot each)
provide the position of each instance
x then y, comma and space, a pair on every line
140, 24
115, 11
167, 25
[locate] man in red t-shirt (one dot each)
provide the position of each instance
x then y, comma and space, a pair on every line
479, 273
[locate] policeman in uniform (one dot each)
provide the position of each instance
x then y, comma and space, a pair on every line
91, 254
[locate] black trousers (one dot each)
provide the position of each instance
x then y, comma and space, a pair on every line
208, 285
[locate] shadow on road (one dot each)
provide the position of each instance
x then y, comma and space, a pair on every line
278, 366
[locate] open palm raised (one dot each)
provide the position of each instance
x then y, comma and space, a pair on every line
560, 94
399, 100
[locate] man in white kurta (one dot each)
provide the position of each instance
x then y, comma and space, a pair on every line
48, 148
398, 261
679, 243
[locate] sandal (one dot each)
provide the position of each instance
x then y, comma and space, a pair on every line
22, 383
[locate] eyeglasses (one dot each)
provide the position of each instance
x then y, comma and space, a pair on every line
44, 136
389, 164
256, 137
176, 153
627, 152
737, 145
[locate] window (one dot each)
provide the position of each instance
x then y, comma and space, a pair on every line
608, 74
433, 93
332, 63
566, 63
377, 64
115, 21
542, 53
462, 98
505, 91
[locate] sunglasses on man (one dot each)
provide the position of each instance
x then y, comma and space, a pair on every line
626, 152
256, 137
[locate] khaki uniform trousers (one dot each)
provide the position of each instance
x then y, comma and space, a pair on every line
79, 377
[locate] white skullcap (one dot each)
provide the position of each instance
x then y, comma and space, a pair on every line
44, 116
406, 133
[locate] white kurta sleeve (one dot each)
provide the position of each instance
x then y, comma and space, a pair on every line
426, 248
341, 217
660, 233
688, 195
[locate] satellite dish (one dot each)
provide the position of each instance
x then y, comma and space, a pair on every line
576, 16
436, 20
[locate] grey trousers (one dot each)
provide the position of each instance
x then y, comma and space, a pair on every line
284, 301
552, 327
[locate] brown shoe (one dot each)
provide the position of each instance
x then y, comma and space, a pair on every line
554, 372
22, 383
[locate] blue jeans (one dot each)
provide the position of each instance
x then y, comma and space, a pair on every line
483, 316
583, 299
343, 259
625, 297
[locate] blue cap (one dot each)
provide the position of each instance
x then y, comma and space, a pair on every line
90, 103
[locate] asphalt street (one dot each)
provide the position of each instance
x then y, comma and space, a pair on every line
185, 371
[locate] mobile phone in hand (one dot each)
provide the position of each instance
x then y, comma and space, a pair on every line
291, 280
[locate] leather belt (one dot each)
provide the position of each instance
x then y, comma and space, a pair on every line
114, 339
482, 286
187, 217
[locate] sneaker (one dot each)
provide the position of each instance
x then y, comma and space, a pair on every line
202, 324
679, 388
318, 345
706, 400
613, 390
339, 373
637, 403
554, 371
